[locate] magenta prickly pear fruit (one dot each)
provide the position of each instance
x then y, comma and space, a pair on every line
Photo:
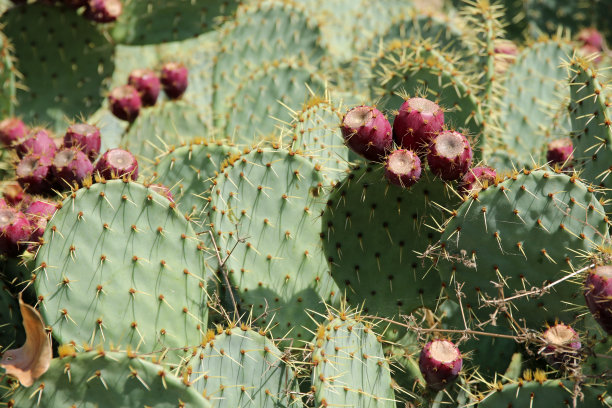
367, 132
103, 11
562, 345
71, 166
440, 363
450, 155
416, 123
14, 231
505, 54
598, 295
560, 151
85, 138
147, 84
38, 142
12, 130
13, 194
162, 190
476, 179
125, 102
403, 168
592, 37
33, 173
174, 78
38, 214
117, 163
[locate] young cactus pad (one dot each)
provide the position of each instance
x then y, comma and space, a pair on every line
271, 200
349, 367
536, 223
121, 266
240, 367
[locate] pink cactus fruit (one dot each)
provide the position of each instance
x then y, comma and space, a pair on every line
592, 42
598, 295
440, 363
403, 168
34, 173
125, 102
116, 163
162, 190
147, 84
367, 132
71, 166
560, 151
12, 130
450, 155
38, 142
477, 178
562, 345
416, 123
14, 231
505, 55
174, 79
103, 11
38, 214
84, 137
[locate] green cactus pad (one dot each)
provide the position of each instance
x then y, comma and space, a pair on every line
420, 71
272, 200
189, 171
63, 69
161, 21
11, 331
349, 366
544, 394
534, 98
111, 128
373, 233
167, 124
107, 379
121, 266
263, 31
240, 367
525, 232
263, 102
591, 118
315, 131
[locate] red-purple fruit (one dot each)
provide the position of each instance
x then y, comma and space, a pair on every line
403, 168
450, 155
38, 214
12, 130
598, 295
562, 345
117, 163
440, 363
84, 137
560, 151
416, 123
476, 179
162, 190
71, 166
37, 142
505, 54
125, 102
34, 172
14, 231
367, 132
174, 78
592, 42
103, 11
147, 84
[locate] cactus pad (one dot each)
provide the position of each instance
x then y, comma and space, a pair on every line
271, 200
120, 265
